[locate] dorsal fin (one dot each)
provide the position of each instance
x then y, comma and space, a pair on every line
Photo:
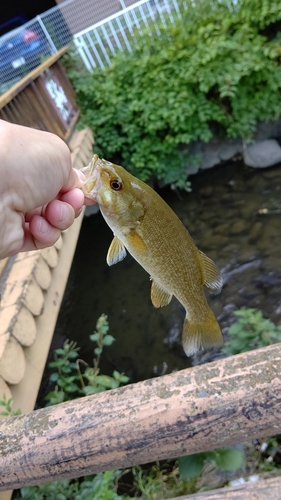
212, 278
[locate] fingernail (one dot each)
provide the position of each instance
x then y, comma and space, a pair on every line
44, 226
64, 213
78, 212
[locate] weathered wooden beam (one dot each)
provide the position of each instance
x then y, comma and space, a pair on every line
266, 488
198, 409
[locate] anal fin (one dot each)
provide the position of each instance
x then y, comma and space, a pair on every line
116, 252
212, 278
159, 296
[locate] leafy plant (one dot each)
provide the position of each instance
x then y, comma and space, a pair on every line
8, 409
65, 375
213, 71
161, 481
70, 381
102, 486
227, 459
250, 331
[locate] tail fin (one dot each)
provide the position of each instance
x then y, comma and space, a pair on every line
196, 336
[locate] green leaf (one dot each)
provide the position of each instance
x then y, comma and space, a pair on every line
60, 352
94, 337
191, 466
229, 459
72, 355
104, 380
54, 377
108, 340
123, 379
235, 329
88, 389
98, 350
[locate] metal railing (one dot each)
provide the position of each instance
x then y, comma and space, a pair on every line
99, 28
99, 42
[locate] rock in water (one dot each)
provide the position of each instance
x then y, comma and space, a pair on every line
262, 154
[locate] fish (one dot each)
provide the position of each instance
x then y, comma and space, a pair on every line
144, 225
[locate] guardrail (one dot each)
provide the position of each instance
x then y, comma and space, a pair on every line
217, 404
43, 99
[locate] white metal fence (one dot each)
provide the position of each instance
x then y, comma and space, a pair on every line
99, 42
99, 28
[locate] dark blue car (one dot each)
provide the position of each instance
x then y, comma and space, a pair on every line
21, 50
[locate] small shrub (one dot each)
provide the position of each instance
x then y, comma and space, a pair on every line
102, 486
250, 331
70, 381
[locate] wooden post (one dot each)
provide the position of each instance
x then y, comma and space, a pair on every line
193, 410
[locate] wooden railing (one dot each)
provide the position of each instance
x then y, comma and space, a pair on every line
44, 99
217, 404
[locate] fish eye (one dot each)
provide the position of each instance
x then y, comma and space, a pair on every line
116, 185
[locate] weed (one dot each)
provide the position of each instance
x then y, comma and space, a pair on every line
73, 377
250, 331
8, 409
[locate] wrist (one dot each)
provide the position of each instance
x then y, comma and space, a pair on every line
5, 150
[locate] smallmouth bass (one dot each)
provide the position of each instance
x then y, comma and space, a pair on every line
145, 226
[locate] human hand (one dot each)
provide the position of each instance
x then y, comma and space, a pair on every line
40, 192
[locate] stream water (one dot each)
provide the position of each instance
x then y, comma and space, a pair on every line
233, 215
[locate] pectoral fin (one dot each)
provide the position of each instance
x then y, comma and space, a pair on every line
136, 241
159, 296
116, 252
212, 279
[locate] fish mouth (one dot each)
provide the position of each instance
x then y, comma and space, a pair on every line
92, 173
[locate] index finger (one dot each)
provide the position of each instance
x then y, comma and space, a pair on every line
75, 180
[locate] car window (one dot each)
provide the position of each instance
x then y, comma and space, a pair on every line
12, 24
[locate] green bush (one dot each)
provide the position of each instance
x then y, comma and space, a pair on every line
71, 381
251, 331
214, 71
102, 486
